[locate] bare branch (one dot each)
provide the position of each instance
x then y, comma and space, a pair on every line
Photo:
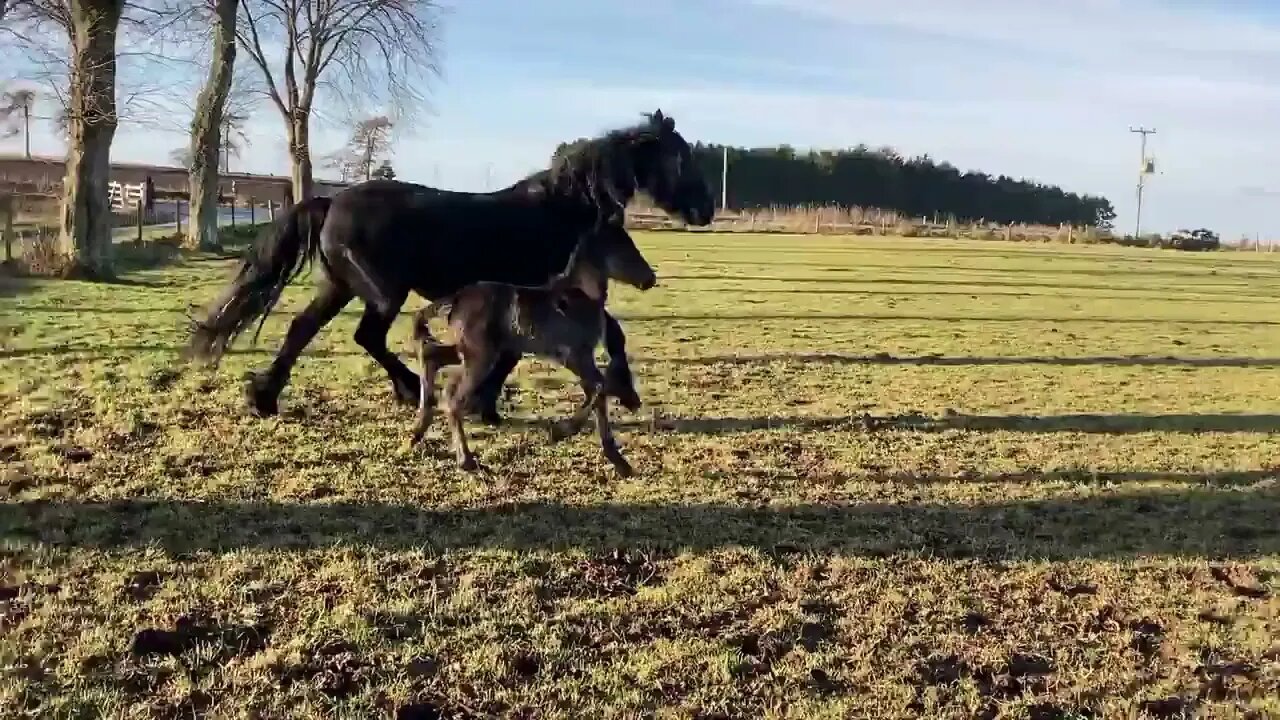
355, 53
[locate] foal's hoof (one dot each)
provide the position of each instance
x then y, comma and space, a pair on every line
262, 399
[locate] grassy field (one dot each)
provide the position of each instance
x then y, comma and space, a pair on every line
877, 478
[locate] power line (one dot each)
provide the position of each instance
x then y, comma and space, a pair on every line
1142, 174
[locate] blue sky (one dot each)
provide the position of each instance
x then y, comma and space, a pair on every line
1043, 89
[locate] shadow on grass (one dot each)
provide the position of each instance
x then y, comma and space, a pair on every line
964, 361
1057, 292
886, 317
92, 352
100, 352
1116, 424
849, 263
1190, 522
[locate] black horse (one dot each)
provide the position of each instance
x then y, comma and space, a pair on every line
382, 239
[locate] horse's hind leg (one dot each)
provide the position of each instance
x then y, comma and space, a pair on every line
485, 400
263, 391
371, 334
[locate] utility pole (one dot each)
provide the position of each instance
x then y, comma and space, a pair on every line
226, 146
26, 117
724, 179
368, 156
1142, 174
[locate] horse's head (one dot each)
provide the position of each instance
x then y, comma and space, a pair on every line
666, 170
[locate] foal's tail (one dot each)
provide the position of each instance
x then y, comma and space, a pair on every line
280, 255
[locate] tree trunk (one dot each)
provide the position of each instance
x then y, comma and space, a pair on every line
85, 237
206, 129
300, 154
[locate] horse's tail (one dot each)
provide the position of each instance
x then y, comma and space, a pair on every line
280, 255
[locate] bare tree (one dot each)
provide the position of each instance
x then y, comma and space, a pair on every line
181, 157
72, 49
209, 126
15, 114
379, 51
87, 29
370, 141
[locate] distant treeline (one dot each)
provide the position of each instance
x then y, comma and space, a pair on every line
881, 178
918, 186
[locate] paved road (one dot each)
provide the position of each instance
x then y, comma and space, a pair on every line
242, 217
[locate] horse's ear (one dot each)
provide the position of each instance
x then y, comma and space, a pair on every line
668, 124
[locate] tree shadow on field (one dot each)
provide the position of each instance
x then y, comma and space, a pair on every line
1116, 424
964, 361
1209, 523
906, 317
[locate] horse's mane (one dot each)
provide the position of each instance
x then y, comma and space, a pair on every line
598, 170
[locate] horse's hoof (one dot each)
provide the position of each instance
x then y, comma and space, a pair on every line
469, 464
631, 402
405, 395
260, 398
559, 431
623, 468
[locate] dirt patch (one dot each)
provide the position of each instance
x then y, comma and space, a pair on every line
142, 585
419, 711
1170, 708
74, 454
1226, 679
1241, 582
974, 622
1148, 638
613, 574
396, 626
188, 632
1050, 711
1070, 588
335, 670
525, 665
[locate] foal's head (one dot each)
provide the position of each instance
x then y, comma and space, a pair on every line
608, 253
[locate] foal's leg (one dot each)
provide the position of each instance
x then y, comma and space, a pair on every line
583, 365
426, 394
475, 365
607, 442
371, 334
263, 390
432, 356
618, 379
